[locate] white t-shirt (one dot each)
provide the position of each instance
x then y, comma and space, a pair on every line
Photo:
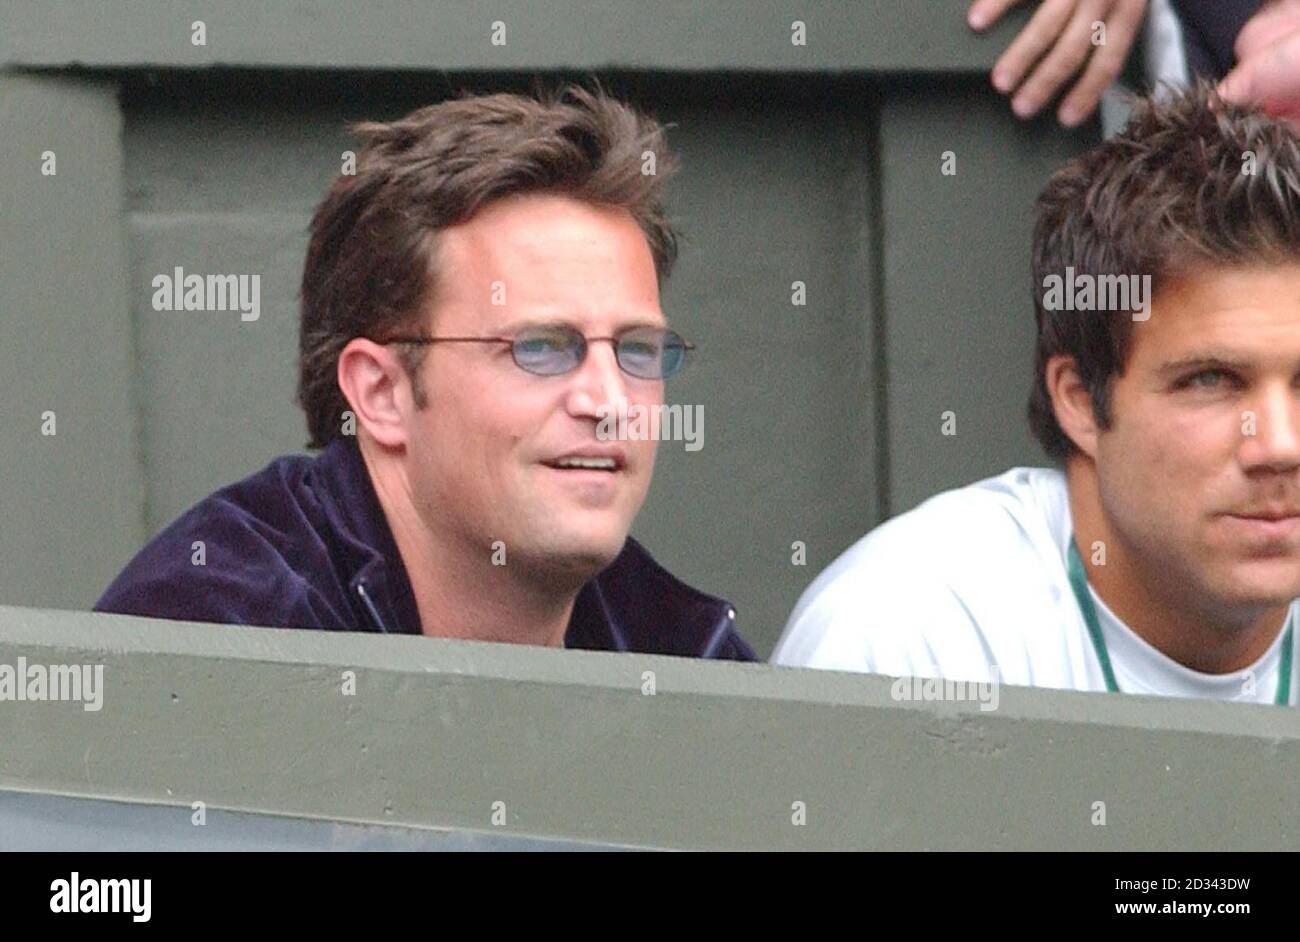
976, 578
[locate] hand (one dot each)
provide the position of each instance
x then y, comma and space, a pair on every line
1268, 62
1066, 28
1273, 21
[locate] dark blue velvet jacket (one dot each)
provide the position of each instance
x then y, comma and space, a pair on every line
1210, 29
304, 543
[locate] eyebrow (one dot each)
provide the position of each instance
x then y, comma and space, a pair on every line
527, 322
1202, 361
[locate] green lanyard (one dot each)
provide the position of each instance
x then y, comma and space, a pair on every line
1079, 583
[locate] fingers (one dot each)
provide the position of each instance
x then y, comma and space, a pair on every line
1266, 27
1073, 45
1269, 78
1037, 36
1106, 63
984, 13
1236, 85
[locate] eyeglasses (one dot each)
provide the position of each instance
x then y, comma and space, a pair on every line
555, 349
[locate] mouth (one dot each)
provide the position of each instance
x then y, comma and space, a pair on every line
605, 462
1272, 524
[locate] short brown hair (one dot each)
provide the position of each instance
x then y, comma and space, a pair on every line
1190, 180
369, 270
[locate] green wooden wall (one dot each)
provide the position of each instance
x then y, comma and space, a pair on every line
433, 734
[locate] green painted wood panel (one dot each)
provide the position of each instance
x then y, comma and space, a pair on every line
436, 732
71, 503
869, 35
959, 314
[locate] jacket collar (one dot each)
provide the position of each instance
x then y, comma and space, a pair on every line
377, 582
634, 604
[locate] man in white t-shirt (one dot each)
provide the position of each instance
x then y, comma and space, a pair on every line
1163, 556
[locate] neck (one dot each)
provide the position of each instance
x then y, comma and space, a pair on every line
458, 591
1155, 602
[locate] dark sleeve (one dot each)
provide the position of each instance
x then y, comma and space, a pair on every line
735, 648
216, 598
1210, 29
241, 580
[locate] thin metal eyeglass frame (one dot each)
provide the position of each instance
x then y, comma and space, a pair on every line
687, 346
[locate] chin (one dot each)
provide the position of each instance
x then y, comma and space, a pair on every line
580, 554
1273, 582
594, 556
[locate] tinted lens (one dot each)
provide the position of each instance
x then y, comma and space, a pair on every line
651, 352
549, 351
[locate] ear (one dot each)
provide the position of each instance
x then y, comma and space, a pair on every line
1071, 403
378, 390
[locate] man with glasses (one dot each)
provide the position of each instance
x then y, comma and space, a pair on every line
475, 298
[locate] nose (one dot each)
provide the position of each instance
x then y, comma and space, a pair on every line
596, 387
1272, 441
